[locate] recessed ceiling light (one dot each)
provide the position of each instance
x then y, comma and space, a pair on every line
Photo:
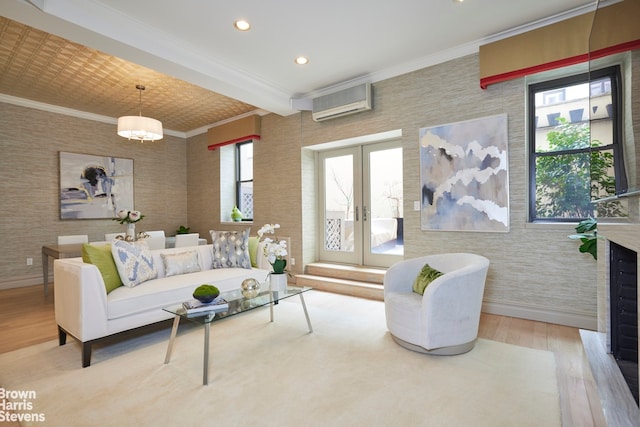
301, 60
242, 25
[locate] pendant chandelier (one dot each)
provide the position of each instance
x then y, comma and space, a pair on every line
138, 127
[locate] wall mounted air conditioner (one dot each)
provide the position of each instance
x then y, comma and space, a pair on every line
347, 101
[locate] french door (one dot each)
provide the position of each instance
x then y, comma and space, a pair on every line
361, 204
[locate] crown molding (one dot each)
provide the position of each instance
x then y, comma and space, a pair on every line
21, 102
8, 99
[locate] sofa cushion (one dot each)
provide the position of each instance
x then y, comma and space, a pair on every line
253, 250
159, 293
133, 261
180, 263
231, 249
425, 277
101, 257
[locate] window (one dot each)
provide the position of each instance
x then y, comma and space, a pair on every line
553, 96
575, 157
244, 179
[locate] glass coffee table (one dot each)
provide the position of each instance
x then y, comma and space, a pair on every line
237, 304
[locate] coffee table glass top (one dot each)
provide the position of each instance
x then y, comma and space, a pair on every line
237, 304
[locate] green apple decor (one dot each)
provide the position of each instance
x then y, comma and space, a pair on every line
206, 293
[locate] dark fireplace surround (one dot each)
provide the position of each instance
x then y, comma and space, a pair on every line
612, 350
623, 297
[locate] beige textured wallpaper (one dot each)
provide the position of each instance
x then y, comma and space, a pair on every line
534, 268
30, 141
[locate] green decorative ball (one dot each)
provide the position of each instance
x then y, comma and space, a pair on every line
206, 293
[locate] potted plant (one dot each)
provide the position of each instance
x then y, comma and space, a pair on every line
588, 234
183, 230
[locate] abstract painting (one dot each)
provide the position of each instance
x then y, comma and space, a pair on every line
94, 187
464, 176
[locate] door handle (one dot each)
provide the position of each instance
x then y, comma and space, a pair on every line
364, 213
357, 215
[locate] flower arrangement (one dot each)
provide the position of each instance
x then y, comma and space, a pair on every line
275, 250
127, 216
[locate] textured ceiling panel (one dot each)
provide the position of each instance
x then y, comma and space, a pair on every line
42, 67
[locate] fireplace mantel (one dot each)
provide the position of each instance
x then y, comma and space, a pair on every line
614, 394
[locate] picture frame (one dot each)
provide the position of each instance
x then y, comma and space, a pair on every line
93, 186
464, 176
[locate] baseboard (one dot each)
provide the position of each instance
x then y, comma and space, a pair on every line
22, 281
575, 320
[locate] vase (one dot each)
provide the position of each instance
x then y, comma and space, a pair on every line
236, 215
278, 282
131, 232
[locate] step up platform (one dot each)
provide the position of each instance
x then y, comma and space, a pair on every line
364, 282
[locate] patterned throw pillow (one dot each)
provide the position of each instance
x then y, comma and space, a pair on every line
231, 249
180, 263
134, 262
426, 276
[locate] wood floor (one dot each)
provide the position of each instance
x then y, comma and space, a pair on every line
27, 318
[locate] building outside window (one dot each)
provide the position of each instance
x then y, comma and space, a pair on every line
244, 179
575, 146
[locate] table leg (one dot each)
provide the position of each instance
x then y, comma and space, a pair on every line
271, 305
174, 330
306, 313
45, 272
205, 370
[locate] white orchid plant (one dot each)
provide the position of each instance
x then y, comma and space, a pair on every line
275, 250
126, 216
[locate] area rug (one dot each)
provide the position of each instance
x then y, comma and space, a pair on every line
348, 372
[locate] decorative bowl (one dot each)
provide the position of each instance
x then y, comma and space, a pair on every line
206, 293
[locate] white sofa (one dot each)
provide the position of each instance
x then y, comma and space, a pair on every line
84, 310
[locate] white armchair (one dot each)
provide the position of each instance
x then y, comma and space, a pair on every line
445, 319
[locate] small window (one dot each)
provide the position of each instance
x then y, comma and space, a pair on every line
244, 179
575, 149
554, 96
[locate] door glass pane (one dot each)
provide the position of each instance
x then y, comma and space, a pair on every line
385, 207
338, 224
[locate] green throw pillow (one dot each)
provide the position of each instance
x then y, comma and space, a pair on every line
253, 251
100, 256
426, 276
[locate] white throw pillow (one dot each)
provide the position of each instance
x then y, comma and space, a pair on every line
180, 263
231, 249
133, 261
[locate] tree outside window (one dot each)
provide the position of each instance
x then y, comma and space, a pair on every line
576, 156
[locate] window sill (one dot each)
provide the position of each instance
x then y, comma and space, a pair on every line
551, 225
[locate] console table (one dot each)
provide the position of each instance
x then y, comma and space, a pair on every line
57, 251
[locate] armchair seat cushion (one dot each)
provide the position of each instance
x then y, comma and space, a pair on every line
403, 315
